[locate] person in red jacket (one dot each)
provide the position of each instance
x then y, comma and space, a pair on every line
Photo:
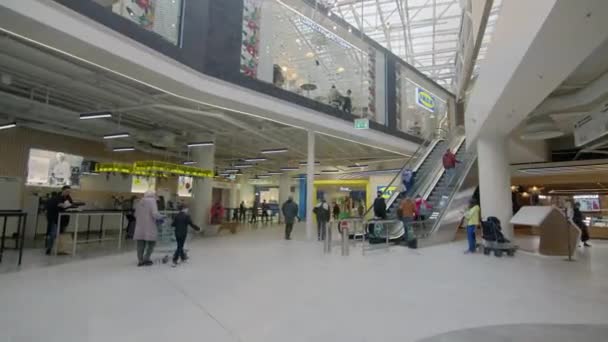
449, 163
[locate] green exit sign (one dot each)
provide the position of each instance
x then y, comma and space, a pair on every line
361, 123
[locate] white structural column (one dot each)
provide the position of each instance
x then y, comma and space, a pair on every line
310, 180
284, 185
495, 180
203, 187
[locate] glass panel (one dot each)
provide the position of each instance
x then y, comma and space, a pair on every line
160, 16
295, 47
420, 110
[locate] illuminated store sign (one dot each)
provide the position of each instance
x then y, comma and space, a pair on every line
425, 100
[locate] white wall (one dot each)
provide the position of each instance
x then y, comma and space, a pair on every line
112, 183
521, 151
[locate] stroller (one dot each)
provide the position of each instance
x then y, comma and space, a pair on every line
494, 240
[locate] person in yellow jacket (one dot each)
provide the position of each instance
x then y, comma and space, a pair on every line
472, 219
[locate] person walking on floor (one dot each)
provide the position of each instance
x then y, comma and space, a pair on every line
323, 214
181, 222
336, 211
290, 213
55, 205
146, 233
472, 218
254, 213
242, 212
380, 207
577, 218
265, 209
407, 209
449, 163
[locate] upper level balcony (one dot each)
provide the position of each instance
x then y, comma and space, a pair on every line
292, 50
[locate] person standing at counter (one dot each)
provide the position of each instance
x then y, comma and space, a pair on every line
146, 215
55, 205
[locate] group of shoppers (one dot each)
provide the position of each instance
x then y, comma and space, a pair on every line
336, 99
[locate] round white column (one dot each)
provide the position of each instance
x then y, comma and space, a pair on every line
495, 181
203, 187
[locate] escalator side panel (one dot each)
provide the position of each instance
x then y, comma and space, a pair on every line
448, 226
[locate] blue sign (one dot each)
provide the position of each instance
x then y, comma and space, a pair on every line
425, 100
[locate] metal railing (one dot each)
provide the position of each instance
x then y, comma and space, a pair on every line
419, 153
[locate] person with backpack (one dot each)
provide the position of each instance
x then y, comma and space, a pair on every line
472, 218
323, 215
449, 164
380, 207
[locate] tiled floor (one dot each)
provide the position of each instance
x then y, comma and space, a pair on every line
255, 287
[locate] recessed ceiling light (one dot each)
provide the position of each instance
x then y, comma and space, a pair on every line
124, 149
290, 168
350, 30
95, 115
298, 40
284, 68
9, 125
274, 150
202, 143
116, 136
335, 27
189, 162
340, 69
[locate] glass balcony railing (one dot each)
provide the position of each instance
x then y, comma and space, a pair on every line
291, 45
419, 110
160, 16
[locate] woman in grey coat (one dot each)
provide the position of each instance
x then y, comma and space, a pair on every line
290, 212
146, 215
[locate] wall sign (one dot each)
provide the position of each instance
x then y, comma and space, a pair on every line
591, 127
361, 123
387, 191
425, 100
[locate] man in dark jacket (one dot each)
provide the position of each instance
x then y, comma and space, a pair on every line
578, 219
181, 222
380, 206
290, 212
323, 213
55, 205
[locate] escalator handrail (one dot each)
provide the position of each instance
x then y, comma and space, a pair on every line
414, 156
459, 180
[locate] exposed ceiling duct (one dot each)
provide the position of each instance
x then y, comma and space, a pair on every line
541, 129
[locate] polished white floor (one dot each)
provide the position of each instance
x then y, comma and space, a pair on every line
255, 287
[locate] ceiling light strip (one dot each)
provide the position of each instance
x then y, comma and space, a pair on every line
9, 125
185, 97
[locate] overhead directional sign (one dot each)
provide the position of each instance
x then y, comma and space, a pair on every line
361, 123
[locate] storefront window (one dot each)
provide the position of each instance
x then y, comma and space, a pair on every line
420, 110
160, 16
291, 45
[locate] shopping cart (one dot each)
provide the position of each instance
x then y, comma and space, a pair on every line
165, 243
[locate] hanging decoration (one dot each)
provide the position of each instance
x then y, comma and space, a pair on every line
153, 169
371, 73
398, 95
250, 46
